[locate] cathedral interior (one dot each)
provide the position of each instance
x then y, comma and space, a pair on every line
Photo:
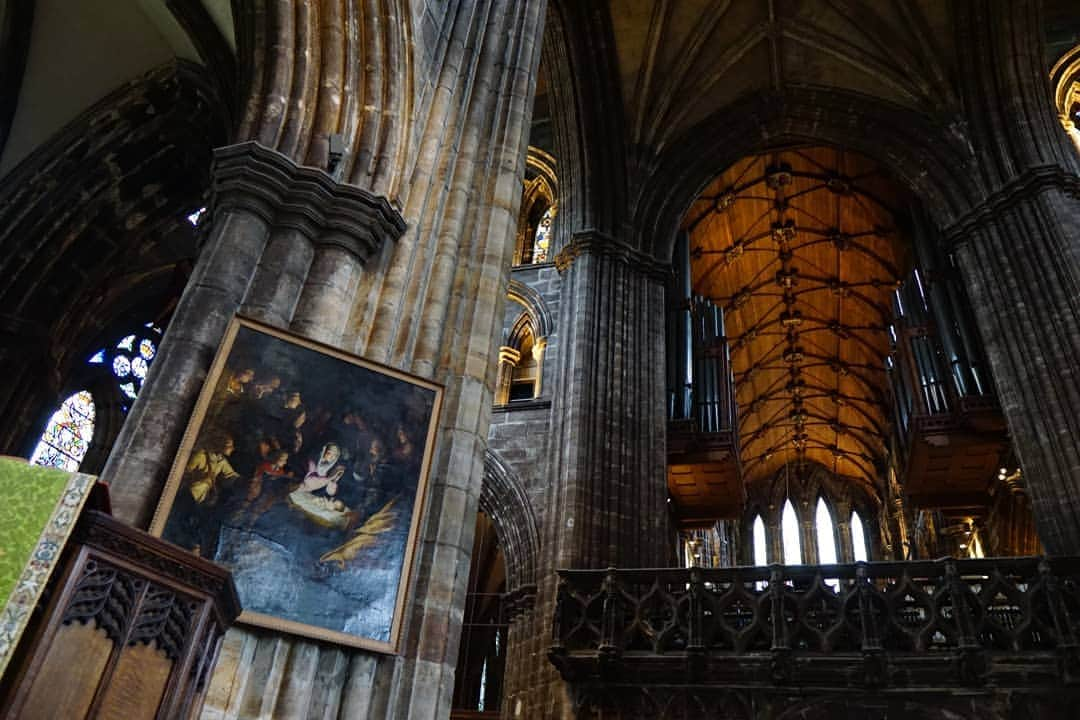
756, 322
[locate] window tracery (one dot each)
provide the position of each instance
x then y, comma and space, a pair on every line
129, 359
68, 434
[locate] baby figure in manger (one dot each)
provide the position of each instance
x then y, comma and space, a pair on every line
315, 495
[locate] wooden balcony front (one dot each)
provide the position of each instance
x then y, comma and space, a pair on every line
953, 456
882, 627
703, 474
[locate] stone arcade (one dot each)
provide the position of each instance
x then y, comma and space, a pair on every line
727, 298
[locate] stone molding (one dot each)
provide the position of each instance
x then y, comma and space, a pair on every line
534, 305
515, 405
595, 243
1021, 189
253, 177
504, 499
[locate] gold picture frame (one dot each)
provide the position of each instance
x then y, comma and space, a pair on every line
300, 471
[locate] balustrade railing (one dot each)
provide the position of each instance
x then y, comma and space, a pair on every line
891, 613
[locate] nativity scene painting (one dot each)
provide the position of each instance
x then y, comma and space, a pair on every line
303, 471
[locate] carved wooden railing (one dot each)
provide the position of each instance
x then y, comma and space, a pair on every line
1010, 622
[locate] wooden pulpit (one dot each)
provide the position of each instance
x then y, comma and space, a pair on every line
129, 627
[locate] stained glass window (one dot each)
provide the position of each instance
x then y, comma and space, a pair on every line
542, 240
789, 531
129, 359
196, 216
761, 556
67, 436
858, 538
826, 538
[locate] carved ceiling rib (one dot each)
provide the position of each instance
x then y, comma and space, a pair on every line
807, 351
709, 53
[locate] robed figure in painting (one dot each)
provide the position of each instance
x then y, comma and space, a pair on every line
303, 479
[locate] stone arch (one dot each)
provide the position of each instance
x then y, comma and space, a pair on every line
936, 163
534, 305
503, 499
98, 218
541, 192
1065, 79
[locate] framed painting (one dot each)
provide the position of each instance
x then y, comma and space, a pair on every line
304, 470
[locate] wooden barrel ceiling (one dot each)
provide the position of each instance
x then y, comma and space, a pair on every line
800, 250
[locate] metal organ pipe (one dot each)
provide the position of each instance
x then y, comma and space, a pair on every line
679, 335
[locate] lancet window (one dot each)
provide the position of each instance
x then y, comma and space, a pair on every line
68, 434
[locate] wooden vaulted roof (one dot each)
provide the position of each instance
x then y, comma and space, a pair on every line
800, 250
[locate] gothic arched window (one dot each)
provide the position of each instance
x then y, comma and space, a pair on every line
826, 536
761, 555
858, 538
542, 239
129, 359
67, 436
789, 533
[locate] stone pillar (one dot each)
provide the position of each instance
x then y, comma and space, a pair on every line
808, 537
606, 502
1020, 258
323, 311
609, 447
508, 360
265, 213
539, 346
275, 289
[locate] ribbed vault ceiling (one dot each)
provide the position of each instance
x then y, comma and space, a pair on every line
681, 60
801, 251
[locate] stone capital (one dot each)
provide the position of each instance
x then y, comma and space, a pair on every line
591, 242
1022, 188
509, 355
252, 177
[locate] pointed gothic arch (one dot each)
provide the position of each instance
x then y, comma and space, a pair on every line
503, 498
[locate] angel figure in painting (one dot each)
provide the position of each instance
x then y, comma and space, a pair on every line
363, 537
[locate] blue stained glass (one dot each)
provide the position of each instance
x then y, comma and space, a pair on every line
98, 357
147, 349
129, 389
127, 343
121, 366
138, 368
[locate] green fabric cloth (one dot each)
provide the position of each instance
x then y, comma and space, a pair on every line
38, 510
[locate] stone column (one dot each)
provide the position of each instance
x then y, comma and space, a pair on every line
265, 212
1021, 263
845, 551
606, 500
323, 311
609, 441
508, 360
808, 537
539, 346
276, 287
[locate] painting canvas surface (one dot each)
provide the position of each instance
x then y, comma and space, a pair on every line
302, 472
